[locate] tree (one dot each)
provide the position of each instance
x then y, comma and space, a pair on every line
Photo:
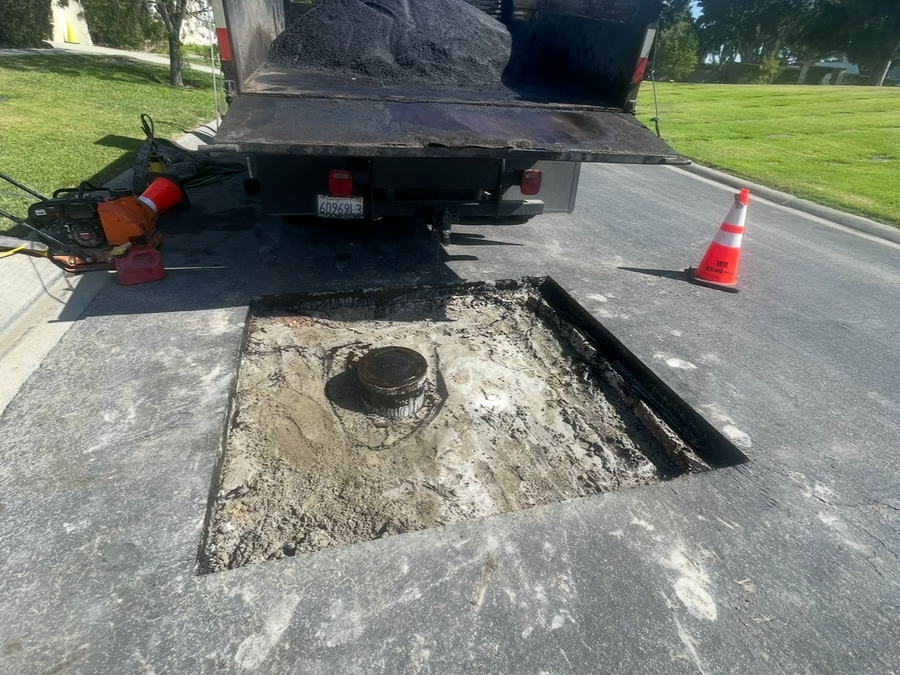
728, 29
818, 38
25, 23
751, 29
172, 13
866, 31
872, 32
674, 12
676, 51
123, 24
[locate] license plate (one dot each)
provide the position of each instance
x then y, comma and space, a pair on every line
340, 207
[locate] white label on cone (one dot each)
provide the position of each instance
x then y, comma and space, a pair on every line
728, 239
148, 202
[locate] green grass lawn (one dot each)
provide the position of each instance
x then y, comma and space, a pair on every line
838, 146
69, 118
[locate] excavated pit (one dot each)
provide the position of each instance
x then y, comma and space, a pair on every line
520, 409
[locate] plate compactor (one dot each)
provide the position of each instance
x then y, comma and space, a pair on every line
87, 228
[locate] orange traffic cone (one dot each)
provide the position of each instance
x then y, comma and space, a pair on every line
164, 193
719, 266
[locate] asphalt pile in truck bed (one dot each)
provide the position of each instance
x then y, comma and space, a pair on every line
439, 43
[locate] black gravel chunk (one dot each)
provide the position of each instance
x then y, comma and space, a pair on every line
440, 43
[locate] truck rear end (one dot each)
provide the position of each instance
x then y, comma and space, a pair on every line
334, 145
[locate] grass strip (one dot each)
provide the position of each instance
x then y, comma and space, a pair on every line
69, 118
833, 145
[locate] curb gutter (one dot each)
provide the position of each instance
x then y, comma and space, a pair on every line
857, 223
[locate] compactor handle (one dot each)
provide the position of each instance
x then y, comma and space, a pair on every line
81, 189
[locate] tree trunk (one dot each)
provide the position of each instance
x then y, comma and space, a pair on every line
172, 13
175, 78
882, 70
880, 73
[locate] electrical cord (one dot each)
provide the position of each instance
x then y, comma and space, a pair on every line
654, 119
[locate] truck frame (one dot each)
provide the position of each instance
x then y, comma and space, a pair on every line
327, 146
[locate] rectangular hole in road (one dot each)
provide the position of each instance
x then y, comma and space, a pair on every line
525, 400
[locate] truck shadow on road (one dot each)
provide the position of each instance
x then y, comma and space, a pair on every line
223, 251
662, 274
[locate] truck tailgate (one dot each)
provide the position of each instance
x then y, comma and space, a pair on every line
261, 124
287, 113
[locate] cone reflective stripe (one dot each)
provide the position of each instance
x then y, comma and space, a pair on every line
163, 193
719, 266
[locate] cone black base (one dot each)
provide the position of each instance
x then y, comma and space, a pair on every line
691, 273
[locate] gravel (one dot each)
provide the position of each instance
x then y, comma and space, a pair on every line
439, 43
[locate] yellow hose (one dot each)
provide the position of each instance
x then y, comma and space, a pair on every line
10, 252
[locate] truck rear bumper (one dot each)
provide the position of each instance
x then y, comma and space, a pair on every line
400, 187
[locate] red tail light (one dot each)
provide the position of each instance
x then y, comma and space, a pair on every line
340, 183
643, 60
531, 182
224, 44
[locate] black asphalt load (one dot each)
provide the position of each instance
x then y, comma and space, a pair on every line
441, 43
784, 564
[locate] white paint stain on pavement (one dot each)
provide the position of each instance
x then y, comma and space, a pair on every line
640, 522
695, 598
690, 645
675, 362
736, 436
691, 585
253, 650
741, 439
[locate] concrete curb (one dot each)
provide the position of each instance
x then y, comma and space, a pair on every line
857, 223
23, 281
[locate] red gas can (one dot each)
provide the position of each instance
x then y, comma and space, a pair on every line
139, 267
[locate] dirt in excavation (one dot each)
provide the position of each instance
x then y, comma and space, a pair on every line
519, 412
439, 43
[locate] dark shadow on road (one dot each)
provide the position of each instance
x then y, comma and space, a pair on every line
663, 274
224, 251
470, 239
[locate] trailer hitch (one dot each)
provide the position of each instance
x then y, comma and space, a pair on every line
441, 224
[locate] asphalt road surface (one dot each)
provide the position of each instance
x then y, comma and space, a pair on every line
784, 564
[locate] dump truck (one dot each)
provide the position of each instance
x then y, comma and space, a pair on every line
338, 145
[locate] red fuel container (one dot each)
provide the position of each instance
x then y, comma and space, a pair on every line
139, 267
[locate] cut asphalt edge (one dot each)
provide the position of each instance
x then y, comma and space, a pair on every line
35, 310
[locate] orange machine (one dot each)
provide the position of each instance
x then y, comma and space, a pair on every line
89, 229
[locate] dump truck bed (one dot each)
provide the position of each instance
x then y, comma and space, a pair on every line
286, 111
